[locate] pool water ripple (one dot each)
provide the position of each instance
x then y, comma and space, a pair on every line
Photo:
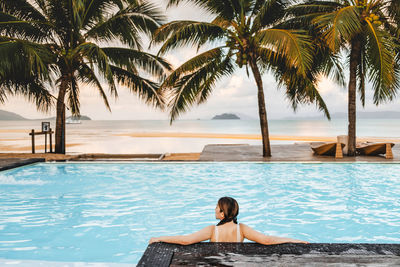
108, 212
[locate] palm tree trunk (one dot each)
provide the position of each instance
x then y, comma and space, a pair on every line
261, 109
60, 119
354, 61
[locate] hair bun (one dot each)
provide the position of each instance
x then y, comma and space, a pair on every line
230, 208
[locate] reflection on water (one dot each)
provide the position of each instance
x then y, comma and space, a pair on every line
102, 136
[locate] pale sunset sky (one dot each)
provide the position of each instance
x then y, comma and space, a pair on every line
236, 94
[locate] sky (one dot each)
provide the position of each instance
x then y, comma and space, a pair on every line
235, 94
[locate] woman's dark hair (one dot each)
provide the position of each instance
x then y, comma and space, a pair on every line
230, 208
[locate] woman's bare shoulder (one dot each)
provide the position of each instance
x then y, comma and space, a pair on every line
210, 227
244, 228
242, 225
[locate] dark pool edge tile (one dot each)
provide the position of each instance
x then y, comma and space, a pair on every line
162, 254
15, 163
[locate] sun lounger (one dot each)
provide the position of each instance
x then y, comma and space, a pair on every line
374, 149
328, 149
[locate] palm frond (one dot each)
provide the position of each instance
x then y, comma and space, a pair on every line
268, 14
146, 90
194, 85
293, 45
88, 76
125, 57
381, 55
73, 97
96, 55
339, 26
127, 24
221, 22
301, 90
313, 7
23, 9
192, 65
361, 69
60, 15
182, 33
29, 87
394, 10
301, 16
226, 9
12, 26
33, 56
96, 9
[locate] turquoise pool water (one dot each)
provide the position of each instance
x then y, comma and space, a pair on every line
107, 212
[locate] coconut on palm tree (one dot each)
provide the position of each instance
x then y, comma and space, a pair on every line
365, 31
245, 34
66, 43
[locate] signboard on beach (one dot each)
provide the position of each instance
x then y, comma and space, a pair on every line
45, 126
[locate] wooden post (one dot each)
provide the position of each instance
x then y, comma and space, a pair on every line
45, 142
51, 145
339, 152
389, 153
33, 141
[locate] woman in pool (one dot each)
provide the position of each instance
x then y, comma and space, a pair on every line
227, 230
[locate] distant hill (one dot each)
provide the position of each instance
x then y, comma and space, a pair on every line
226, 116
10, 116
243, 116
82, 118
360, 115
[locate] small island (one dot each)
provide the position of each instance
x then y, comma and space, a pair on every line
226, 116
81, 117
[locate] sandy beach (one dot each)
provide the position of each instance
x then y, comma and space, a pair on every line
21, 147
254, 137
159, 137
18, 141
27, 148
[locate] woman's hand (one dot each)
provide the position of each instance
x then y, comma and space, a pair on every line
154, 239
290, 240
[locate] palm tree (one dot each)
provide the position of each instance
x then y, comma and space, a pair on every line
64, 43
245, 34
365, 31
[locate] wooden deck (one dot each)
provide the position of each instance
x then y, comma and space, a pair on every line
252, 254
299, 152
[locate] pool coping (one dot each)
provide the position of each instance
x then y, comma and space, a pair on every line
214, 254
12, 163
33, 161
215, 162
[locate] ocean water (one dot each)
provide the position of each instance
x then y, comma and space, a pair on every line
106, 213
111, 136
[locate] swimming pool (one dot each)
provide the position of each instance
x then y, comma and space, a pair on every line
107, 212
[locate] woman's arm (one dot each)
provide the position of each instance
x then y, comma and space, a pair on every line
258, 237
203, 234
